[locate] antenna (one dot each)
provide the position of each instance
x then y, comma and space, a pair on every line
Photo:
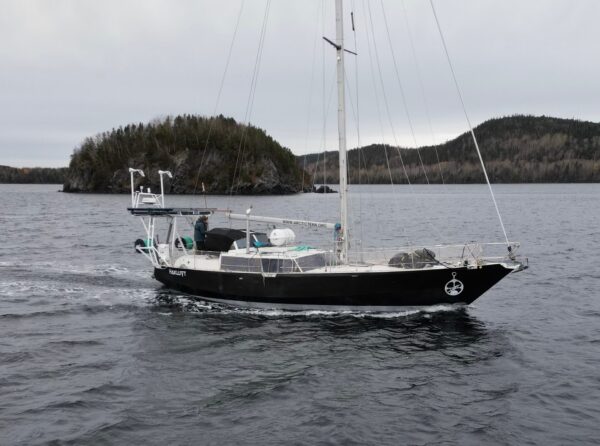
133, 171
162, 189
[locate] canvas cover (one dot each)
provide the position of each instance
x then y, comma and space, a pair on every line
220, 239
419, 258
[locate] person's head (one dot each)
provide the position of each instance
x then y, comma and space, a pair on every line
204, 218
338, 226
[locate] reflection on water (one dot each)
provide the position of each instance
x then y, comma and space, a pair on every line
437, 327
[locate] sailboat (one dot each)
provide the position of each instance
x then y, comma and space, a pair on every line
249, 268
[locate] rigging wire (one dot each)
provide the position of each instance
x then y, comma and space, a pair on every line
402, 95
253, 91
422, 88
212, 119
325, 107
376, 95
378, 108
355, 115
250, 103
358, 141
310, 91
385, 101
410, 185
469, 123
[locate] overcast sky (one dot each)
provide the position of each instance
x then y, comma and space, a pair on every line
71, 69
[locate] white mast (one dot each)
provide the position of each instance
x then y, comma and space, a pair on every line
339, 38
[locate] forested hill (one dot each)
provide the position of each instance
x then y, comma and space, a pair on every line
515, 149
178, 144
33, 175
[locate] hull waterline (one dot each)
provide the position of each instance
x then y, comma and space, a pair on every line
373, 291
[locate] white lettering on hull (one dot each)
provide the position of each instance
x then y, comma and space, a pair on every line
174, 272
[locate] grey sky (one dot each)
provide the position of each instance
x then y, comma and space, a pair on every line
71, 69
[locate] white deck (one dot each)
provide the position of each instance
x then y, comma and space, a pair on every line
288, 252
212, 262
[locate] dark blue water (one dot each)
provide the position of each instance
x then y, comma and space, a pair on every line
93, 351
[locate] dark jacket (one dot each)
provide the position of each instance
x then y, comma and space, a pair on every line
199, 231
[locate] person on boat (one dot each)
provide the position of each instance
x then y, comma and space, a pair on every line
200, 229
338, 238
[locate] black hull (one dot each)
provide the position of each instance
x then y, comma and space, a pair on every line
402, 288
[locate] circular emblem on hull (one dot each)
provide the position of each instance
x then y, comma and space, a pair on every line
454, 287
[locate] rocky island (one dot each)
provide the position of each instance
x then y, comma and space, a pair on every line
32, 175
225, 156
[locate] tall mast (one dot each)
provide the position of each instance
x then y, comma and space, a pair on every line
339, 37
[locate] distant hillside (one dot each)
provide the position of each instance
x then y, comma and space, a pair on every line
37, 175
177, 144
515, 149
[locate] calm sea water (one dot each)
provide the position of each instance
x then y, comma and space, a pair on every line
94, 351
